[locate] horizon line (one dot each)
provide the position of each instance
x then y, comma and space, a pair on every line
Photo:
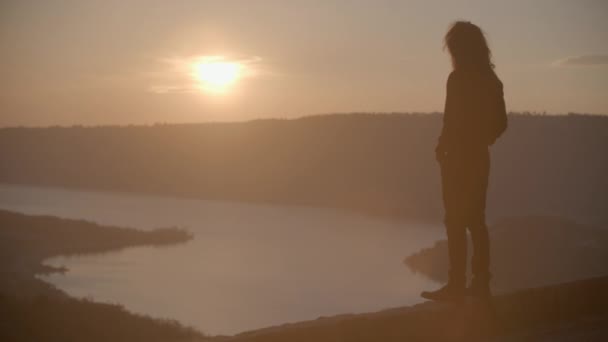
278, 118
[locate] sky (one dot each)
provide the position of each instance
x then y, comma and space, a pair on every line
131, 62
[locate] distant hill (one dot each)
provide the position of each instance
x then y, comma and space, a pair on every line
376, 163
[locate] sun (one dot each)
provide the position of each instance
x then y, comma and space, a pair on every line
215, 74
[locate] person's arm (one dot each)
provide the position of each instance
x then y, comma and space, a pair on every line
500, 117
448, 114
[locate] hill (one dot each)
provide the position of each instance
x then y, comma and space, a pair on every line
375, 163
575, 311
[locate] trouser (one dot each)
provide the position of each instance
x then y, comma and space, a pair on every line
464, 182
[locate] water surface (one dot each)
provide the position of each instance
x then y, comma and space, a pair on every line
249, 265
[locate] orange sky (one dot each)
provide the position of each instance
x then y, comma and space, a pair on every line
118, 62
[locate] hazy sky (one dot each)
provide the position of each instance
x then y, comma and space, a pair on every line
118, 62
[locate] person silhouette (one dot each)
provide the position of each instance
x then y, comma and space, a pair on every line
474, 117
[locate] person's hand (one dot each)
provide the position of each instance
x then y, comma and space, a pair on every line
440, 155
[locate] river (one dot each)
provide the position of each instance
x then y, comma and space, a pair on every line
249, 265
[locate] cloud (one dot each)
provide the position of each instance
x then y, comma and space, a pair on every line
167, 89
583, 61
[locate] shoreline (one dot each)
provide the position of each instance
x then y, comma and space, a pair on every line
37, 310
262, 203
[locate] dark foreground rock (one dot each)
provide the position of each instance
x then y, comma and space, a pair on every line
564, 312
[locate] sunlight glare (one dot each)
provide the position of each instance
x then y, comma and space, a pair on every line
216, 75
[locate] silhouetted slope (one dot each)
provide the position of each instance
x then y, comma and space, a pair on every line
528, 252
32, 310
562, 312
524, 315
63, 319
376, 163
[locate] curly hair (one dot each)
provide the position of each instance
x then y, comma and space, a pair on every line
468, 46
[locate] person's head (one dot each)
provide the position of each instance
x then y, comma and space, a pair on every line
468, 47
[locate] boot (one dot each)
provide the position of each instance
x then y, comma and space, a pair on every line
480, 287
453, 291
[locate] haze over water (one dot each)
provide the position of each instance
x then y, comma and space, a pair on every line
249, 265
